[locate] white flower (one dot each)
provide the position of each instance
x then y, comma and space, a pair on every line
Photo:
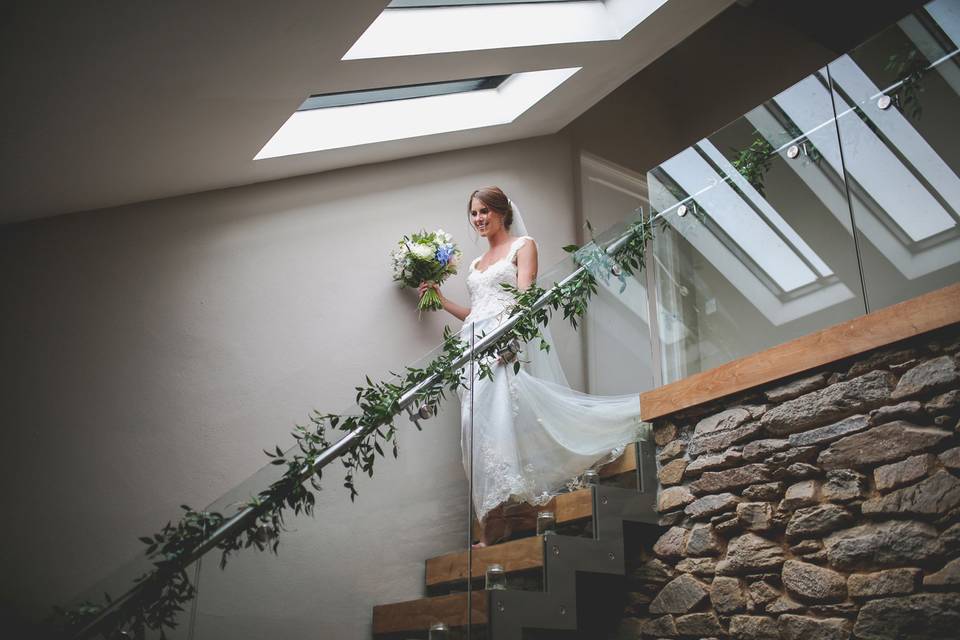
422, 251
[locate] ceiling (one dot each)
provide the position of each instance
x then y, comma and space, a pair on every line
123, 101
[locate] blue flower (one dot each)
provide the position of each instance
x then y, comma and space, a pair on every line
444, 253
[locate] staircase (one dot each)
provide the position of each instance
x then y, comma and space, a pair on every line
563, 578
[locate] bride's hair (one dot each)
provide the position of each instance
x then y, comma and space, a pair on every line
496, 199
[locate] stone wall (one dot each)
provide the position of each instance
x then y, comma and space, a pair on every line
825, 507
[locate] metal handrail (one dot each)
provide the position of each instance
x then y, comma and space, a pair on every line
240, 520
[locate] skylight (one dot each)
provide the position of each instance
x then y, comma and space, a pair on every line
471, 26
356, 121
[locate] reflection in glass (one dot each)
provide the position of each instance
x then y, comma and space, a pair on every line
749, 251
897, 100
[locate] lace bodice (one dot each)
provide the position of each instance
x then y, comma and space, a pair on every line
487, 297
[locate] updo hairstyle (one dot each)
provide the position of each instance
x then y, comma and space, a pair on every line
494, 198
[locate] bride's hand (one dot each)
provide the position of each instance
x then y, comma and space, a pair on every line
429, 285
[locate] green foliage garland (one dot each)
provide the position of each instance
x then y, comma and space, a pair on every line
167, 588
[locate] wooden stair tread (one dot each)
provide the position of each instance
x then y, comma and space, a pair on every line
514, 555
626, 462
418, 615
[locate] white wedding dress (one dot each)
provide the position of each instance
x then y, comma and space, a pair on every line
532, 433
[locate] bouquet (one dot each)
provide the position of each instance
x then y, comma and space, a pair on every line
425, 257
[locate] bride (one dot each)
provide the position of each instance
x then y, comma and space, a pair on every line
531, 432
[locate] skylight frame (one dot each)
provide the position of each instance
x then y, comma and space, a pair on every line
400, 92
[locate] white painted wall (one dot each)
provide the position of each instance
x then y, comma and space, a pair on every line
150, 352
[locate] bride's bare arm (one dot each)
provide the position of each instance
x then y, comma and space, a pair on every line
457, 311
526, 265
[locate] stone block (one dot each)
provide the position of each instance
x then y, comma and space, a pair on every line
796, 388
886, 443
671, 450
700, 625
672, 472
945, 402
794, 627
762, 449
806, 547
928, 377
674, 498
680, 595
817, 520
760, 593
703, 541
810, 583
830, 404
897, 474
938, 494
792, 455
885, 544
949, 576
922, 616
662, 627
801, 494
672, 543
911, 410
763, 492
723, 421
651, 575
716, 481
892, 582
754, 628
723, 460
783, 604
831, 432
951, 459
755, 516
749, 553
711, 505
698, 566
801, 470
727, 596
844, 485
722, 440
664, 432
671, 519
883, 358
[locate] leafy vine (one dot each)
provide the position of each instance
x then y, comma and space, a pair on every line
166, 589
909, 67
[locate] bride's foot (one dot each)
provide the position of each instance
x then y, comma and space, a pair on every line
479, 545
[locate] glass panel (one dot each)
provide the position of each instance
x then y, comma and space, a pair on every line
897, 99
753, 246
331, 570
119, 582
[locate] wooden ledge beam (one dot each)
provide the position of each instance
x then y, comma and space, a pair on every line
886, 326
